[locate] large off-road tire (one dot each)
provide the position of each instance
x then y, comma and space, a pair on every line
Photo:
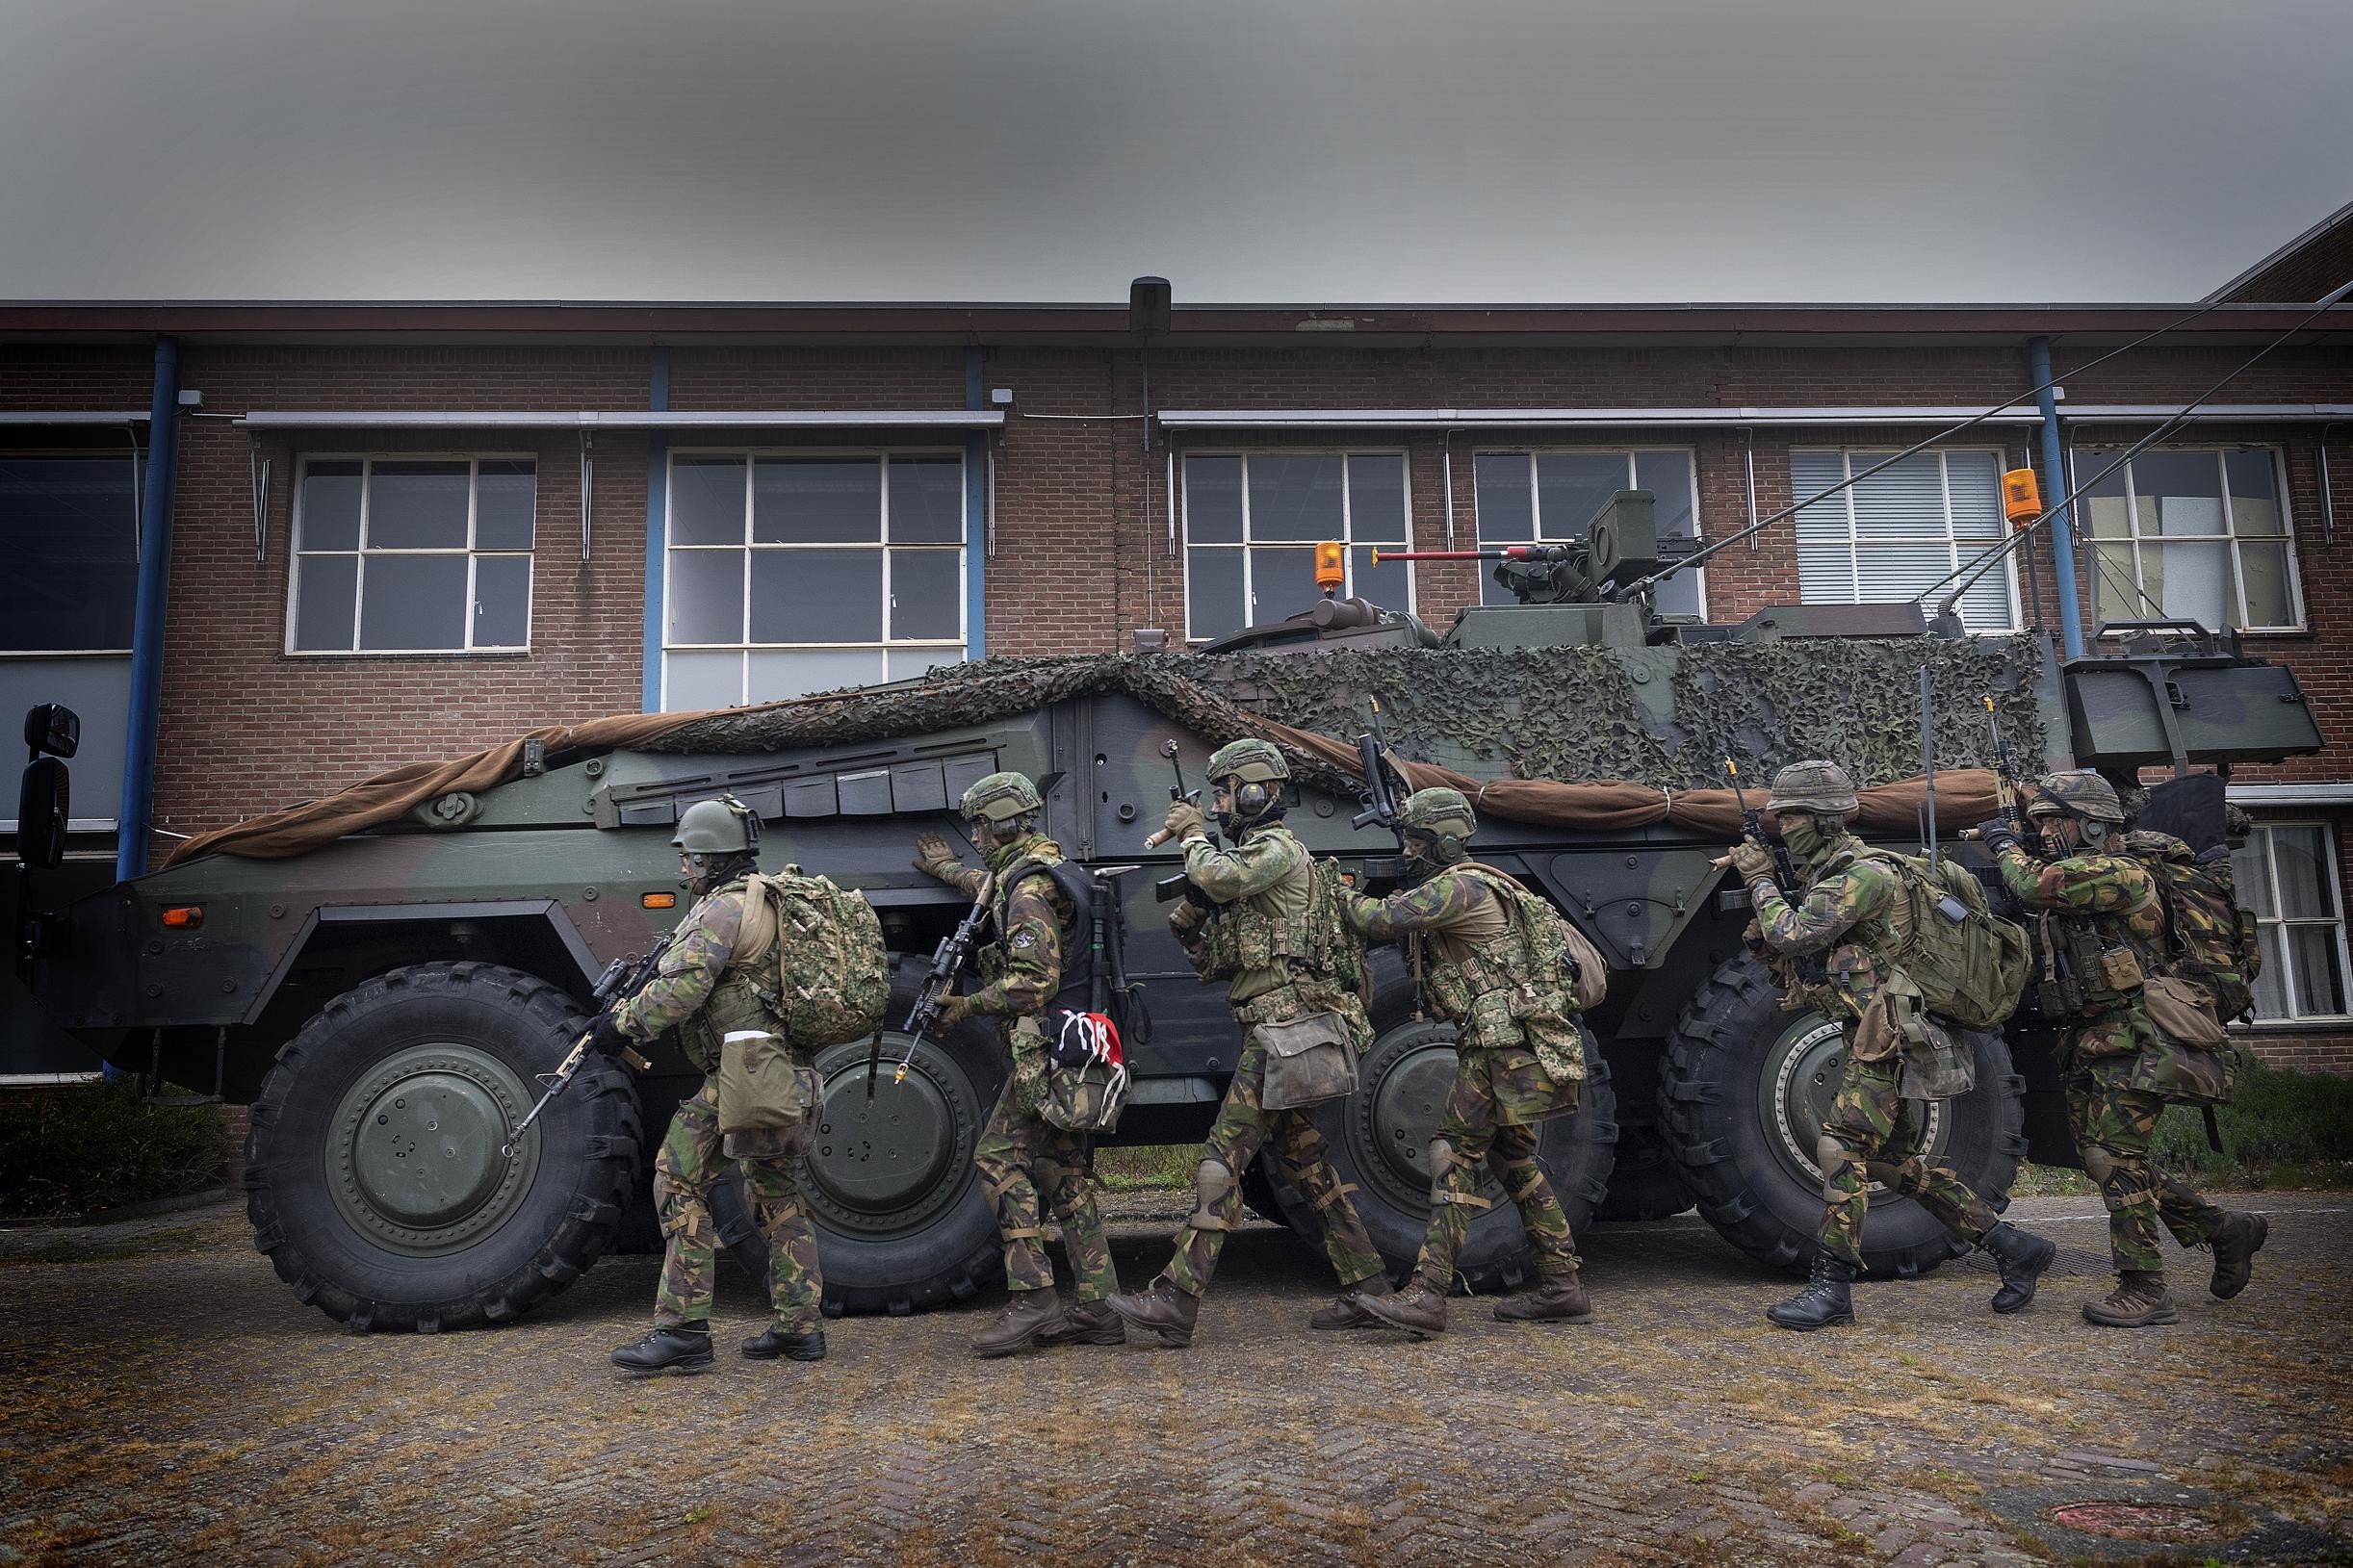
1743, 1098
902, 1223
373, 1173
1379, 1139
1646, 1182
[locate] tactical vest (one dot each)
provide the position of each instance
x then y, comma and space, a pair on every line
1250, 934
2077, 958
735, 1003
1515, 964
1077, 887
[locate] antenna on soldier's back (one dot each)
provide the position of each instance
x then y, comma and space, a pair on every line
1927, 763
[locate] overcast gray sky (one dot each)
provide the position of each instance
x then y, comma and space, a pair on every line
1251, 151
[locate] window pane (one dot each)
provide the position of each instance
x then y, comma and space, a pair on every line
706, 500
70, 576
1810, 474
1213, 591
2301, 855
1500, 480
1377, 498
1571, 486
2265, 567
777, 674
2112, 595
1213, 501
2320, 982
2099, 503
1825, 574
1295, 498
699, 680
1281, 585
413, 601
1986, 608
1679, 595
1385, 584
322, 601
816, 595
1973, 487
1892, 572
1668, 475
706, 596
927, 501
505, 492
2179, 493
331, 507
416, 506
2250, 877
1905, 501
816, 501
2197, 581
502, 601
2271, 985
906, 663
2254, 506
926, 595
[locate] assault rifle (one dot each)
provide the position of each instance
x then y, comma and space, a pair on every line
1752, 828
1381, 803
623, 977
948, 962
2005, 777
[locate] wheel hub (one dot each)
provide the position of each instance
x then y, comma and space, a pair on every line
886, 1165
1803, 1073
414, 1155
1408, 1073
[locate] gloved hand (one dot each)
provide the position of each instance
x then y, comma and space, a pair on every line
953, 1011
1999, 834
1751, 860
933, 855
1186, 917
1184, 820
605, 1035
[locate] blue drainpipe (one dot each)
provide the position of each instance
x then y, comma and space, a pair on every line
2054, 485
137, 812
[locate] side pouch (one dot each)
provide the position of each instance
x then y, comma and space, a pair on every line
2182, 1013
1083, 1099
1308, 1061
1938, 1061
759, 1085
2185, 1074
1876, 1038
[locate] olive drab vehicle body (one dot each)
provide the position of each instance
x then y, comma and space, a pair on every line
386, 999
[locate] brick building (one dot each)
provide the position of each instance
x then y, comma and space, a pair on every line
403, 532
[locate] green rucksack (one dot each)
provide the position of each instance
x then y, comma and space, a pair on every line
1970, 965
2211, 939
831, 972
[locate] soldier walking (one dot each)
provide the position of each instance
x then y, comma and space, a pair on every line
1026, 1162
2111, 931
1278, 944
1484, 967
706, 990
1849, 910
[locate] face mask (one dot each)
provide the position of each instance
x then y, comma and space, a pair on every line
1803, 835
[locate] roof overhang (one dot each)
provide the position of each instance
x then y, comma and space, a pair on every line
1554, 419
44, 416
797, 419
2285, 796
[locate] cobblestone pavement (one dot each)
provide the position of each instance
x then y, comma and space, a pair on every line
163, 1399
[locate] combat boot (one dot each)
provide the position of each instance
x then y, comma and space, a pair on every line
1160, 1309
1824, 1302
1346, 1310
1417, 1309
1089, 1322
1030, 1314
2023, 1259
681, 1347
1555, 1298
2139, 1300
2235, 1247
772, 1341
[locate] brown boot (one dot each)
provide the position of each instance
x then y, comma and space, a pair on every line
1161, 1310
2139, 1301
1556, 1296
1027, 1316
1346, 1310
1417, 1309
1089, 1322
2235, 1247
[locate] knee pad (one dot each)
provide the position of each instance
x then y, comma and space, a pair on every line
2098, 1164
1212, 1184
1442, 1161
1829, 1153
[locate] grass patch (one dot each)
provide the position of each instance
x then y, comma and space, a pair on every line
2283, 1132
92, 1146
1128, 1168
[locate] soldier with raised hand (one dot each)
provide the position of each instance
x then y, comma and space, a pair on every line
1027, 1165
1276, 940
1520, 1059
1849, 910
707, 990
2112, 936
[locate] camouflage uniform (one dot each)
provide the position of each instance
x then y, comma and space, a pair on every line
698, 977
1500, 1089
1026, 1162
1848, 911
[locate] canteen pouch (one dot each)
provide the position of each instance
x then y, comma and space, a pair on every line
1308, 1061
2121, 969
2192, 1061
759, 1085
2182, 1013
1936, 1062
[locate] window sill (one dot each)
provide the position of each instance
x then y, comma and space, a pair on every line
2329, 1024
416, 655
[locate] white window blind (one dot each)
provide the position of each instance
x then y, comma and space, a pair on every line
1893, 535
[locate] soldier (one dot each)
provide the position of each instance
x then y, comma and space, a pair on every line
706, 989
1021, 1157
2112, 934
1849, 910
1477, 961
1277, 939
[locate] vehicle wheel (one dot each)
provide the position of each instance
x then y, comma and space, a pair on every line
901, 1220
1379, 1139
373, 1173
1646, 1183
1746, 1090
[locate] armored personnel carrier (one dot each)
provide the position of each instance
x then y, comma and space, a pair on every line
384, 973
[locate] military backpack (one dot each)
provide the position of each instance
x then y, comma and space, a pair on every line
1971, 965
822, 947
2210, 937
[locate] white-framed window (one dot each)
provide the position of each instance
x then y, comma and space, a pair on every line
412, 554
2287, 874
1549, 497
1252, 519
2201, 530
796, 571
1889, 536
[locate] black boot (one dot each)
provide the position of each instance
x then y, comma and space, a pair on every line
772, 1341
681, 1347
2235, 1247
2023, 1259
1823, 1303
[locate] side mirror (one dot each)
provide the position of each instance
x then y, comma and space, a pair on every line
41, 812
52, 730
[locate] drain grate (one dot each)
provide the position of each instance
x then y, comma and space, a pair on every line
2072, 1263
2157, 1522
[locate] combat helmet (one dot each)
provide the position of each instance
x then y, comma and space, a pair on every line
1813, 785
720, 826
1445, 816
1252, 760
1001, 797
2079, 794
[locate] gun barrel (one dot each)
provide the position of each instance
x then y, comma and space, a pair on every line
1508, 553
